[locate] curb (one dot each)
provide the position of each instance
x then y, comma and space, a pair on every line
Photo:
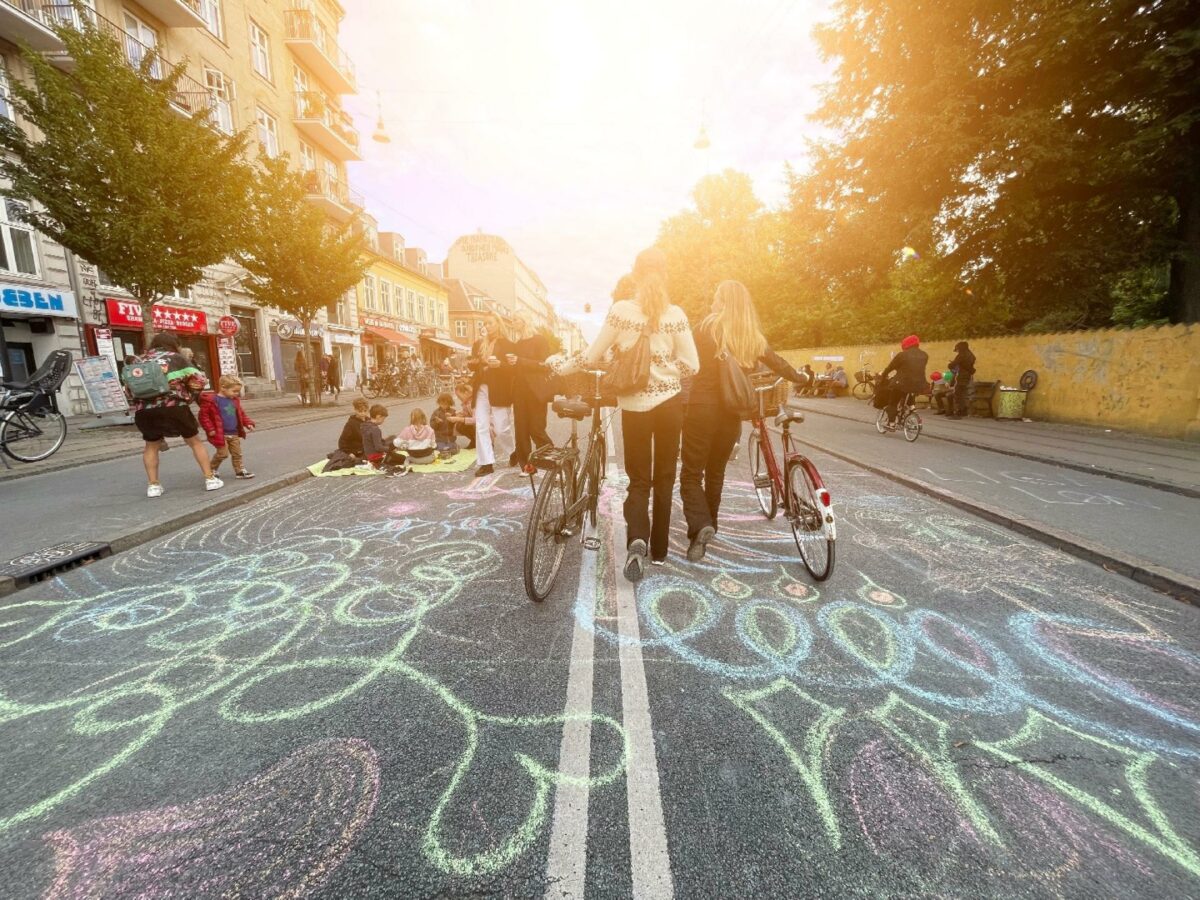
1179, 586
119, 454
144, 535
1078, 467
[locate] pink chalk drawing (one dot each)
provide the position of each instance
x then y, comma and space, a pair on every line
281, 834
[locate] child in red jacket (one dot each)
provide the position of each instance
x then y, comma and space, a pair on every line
226, 423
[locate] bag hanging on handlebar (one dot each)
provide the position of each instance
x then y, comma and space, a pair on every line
630, 369
737, 394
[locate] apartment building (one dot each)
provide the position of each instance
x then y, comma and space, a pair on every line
490, 263
270, 65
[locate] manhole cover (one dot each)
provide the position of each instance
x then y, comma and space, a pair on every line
49, 561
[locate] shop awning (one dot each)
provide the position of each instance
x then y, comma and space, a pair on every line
456, 348
390, 337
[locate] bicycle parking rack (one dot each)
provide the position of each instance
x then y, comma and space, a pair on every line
40, 565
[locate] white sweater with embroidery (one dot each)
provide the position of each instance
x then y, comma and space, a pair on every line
672, 352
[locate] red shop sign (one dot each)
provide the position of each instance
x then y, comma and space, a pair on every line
127, 314
228, 326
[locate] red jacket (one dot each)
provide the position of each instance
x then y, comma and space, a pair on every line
210, 418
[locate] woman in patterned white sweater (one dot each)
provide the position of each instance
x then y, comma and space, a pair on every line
651, 419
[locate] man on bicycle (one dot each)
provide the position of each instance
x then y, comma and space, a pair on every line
908, 370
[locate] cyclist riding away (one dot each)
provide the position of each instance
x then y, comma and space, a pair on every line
908, 369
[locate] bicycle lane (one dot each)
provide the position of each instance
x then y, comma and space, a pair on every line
957, 710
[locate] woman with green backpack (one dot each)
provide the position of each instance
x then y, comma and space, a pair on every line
730, 343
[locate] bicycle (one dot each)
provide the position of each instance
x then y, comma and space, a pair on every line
569, 493
906, 415
31, 427
807, 504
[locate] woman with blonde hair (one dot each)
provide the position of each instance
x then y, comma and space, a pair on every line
651, 418
709, 430
492, 380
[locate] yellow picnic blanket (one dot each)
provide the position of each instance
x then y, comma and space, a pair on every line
460, 462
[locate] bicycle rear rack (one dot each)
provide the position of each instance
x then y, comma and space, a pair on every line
548, 458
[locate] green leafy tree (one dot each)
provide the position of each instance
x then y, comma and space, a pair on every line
300, 259
120, 176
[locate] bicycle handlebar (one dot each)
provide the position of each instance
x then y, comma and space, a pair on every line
770, 387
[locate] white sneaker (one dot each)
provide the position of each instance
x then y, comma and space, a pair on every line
211, 484
154, 490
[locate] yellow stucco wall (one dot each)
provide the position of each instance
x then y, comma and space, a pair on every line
1145, 380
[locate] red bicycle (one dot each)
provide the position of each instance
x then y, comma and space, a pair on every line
806, 501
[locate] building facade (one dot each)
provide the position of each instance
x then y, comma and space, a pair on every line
490, 263
273, 66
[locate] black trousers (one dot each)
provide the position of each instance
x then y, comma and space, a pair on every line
468, 431
962, 396
651, 444
529, 423
709, 433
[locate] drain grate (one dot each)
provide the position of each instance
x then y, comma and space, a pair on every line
30, 568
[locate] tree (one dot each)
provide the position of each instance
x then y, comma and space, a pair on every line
301, 261
118, 175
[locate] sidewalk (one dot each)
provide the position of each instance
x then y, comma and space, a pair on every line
91, 444
1161, 463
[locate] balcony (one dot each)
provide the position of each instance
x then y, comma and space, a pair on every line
333, 196
27, 21
190, 98
176, 13
309, 40
327, 126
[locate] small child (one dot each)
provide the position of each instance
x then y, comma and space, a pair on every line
464, 421
373, 448
350, 440
443, 426
226, 424
417, 441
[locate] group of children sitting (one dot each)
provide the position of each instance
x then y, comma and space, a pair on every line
425, 440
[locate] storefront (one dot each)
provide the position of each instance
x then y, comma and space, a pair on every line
436, 346
287, 340
345, 346
37, 320
246, 341
386, 340
125, 327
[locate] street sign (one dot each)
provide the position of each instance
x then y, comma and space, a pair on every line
101, 384
228, 326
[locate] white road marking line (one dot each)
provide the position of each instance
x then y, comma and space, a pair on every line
648, 853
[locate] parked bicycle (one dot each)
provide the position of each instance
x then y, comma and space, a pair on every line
907, 418
568, 499
806, 502
864, 378
31, 427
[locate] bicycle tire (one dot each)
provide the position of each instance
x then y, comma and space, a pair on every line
808, 523
912, 427
760, 478
545, 543
863, 390
881, 422
599, 461
18, 427
370, 388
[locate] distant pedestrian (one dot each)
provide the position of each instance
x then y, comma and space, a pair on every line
301, 367
226, 424
334, 377
323, 374
160, 385
963, 365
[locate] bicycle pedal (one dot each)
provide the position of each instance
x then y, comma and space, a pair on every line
591, 543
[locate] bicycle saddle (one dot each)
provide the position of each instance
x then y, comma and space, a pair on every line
572, 409
787, 416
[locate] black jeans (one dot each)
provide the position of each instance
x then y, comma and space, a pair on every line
651, 453
529, 423
709, 433
962, 396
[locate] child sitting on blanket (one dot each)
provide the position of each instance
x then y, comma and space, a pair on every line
464, 418
443, 426
415, 444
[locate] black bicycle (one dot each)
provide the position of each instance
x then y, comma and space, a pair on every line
907, 418
31, 427
567, 501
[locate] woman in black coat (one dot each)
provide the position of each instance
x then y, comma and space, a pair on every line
531, 390
492, 380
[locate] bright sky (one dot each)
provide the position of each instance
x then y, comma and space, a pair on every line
567, 127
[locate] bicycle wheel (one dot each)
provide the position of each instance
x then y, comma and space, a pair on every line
30, 435
881, 422
864, 390
812, 533
596, 478
545, 542
370, 388
912, 427
760, 478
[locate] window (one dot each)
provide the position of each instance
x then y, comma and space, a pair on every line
479, 328
16, 250
369, 291
460, 328
412, 302
260, 51
421, 308
308, 157
385, 295
211, 10
268, 133
5, 108
140, 42
300, 81
222, 91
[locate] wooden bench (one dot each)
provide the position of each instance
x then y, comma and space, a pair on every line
981, 394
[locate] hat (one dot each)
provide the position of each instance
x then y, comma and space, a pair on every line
961, 345
911, 341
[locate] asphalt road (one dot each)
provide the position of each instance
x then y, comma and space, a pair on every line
341, 691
